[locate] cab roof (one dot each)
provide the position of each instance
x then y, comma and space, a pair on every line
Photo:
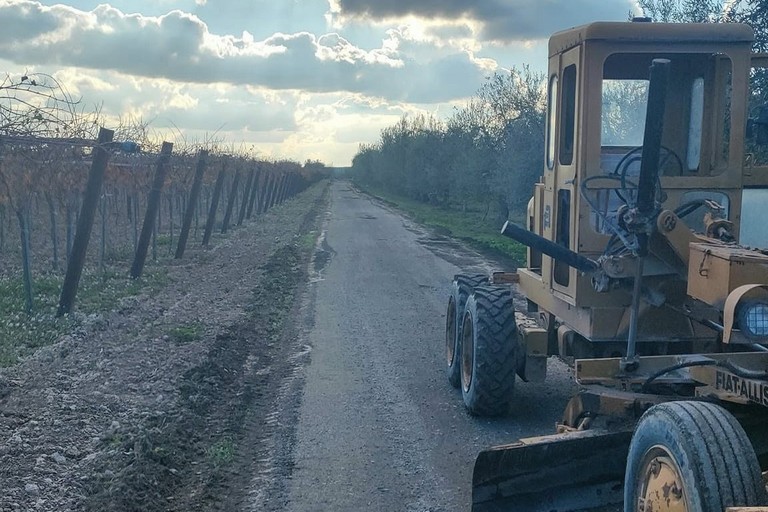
648, 32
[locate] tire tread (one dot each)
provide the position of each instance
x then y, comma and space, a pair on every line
496, 352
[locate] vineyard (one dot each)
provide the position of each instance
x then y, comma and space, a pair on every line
139, 282
87, 218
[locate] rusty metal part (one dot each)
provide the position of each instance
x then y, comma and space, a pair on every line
676, 233
718, 228
600, 401
608, 372
532, 366
560, 472
505, 278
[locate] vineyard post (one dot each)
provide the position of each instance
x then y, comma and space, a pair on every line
273, 192
280, 188
231, 201
71, 200
292, 184
267, 197
257, 179
170, 219
279, 193
292, 180
135, 220
85, 222
270, 192
194, 195
23, 214
265, 184
54, 238
246, 197
103, 244
289, 185
296, 185
214, 204
284, 187
153, 205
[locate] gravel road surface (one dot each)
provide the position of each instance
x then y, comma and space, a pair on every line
373, 423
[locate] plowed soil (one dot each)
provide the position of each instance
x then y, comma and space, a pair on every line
163, 403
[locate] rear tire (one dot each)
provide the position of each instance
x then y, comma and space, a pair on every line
489, 351
691, 455
463, 285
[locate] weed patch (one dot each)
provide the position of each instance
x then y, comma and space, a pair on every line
186, 333
99, 292
469, 226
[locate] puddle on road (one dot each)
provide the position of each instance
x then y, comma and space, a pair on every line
322, 257
457, 253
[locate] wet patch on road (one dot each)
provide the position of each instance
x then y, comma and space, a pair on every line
321, 258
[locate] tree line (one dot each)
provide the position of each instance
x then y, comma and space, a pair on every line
489, 154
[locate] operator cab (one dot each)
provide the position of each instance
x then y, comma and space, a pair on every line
597, 94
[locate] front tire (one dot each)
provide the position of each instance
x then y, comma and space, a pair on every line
489, 351
463, 286
691, 456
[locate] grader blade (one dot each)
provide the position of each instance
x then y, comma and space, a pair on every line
575, 471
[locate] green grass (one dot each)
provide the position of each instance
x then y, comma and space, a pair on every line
22, 333
186, 333
467, 226
222, 452
307, 240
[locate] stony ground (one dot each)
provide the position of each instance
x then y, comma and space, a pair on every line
154, 406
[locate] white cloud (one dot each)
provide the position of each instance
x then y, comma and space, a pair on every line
272, 73
498, 20
178, 46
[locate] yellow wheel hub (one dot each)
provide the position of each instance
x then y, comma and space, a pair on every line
661, 487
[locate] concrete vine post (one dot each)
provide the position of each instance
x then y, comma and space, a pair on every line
270, 199
85, 222
214, 204
263, 195
153, 206
194, 195
231, 201
246, 197
254, 192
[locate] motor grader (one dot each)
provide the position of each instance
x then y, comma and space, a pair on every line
644, 268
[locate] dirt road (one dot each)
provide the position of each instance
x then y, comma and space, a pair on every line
377, 426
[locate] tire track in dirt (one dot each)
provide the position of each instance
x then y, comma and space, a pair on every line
202, 456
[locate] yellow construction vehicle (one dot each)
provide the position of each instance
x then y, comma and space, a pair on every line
641, 267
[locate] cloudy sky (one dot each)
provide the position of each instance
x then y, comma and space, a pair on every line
299, 79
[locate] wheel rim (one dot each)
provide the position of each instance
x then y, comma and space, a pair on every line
660, 486
467, 352
450, 332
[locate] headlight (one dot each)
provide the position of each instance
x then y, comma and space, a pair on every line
753, 319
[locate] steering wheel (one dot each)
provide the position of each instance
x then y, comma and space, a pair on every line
635, 155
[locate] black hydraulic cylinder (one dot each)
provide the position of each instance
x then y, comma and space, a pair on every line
654, 126
548, 247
